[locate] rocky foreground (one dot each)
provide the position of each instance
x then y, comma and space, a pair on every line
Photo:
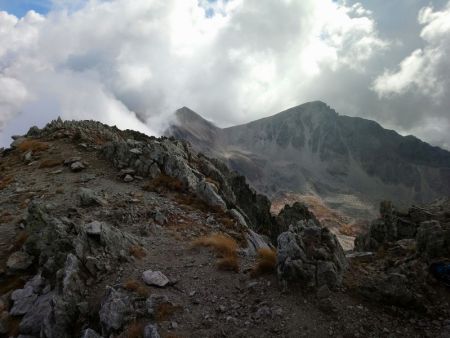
109, 233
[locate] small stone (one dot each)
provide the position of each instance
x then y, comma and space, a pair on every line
94, 228
136, 151
128, 178
77, 166
19, 261
173, 325
89, 333
156, 278
72, 160
55, 172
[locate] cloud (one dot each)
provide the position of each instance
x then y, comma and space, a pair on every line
133, 62
426, 70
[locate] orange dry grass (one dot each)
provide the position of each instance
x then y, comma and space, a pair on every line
164, 182
137, 251
225, 246
164, 311
228, 263
222, 244
20, 240
135, 286
265, 263
50, 163
135, 330
5, 181
33, 145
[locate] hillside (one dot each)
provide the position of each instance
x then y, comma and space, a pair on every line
110, 233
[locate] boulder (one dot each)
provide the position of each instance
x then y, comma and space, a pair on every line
89, 198
209, 194
23, 301
155, 278
115, 309
310, 255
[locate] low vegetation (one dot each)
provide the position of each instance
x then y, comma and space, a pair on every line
163, 183
50, 163
135, 330
225, 246
266, 262
136, 286
33, 145
5, 181
137, 251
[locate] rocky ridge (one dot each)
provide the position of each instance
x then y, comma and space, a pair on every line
97, 232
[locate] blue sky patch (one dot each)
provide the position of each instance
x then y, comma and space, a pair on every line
20, 7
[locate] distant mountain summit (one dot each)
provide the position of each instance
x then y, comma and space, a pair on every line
351, 163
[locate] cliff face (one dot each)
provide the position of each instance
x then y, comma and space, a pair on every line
352, 163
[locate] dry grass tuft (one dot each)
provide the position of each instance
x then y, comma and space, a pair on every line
50, 163
6, 181
33, 145
6, 217
135, 330
137, 251
226, 247
20, 240
164, 311
266, 262
135, 286
164, 182
222, 244
228, 263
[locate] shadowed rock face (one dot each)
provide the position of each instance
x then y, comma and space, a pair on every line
352, 163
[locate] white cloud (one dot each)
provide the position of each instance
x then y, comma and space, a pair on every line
130, 62
426, 70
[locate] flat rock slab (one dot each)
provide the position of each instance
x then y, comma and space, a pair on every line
156, 278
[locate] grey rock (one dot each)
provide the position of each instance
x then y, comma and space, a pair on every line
19, 261
255, 242
310, 255
151, 331
128, 178
136, 151
89, 333
23, 301
71, 160
208, 193
94, 228
115, 309
33, 321
89, 198
77, 166
156, 278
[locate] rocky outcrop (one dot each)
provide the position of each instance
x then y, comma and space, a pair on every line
406, 245
149, 157
68, 254
394, 225
310, 255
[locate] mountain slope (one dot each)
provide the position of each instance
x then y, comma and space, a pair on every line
352, 163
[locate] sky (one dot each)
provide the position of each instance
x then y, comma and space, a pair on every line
132, 63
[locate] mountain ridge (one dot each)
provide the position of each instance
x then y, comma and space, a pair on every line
312, 149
